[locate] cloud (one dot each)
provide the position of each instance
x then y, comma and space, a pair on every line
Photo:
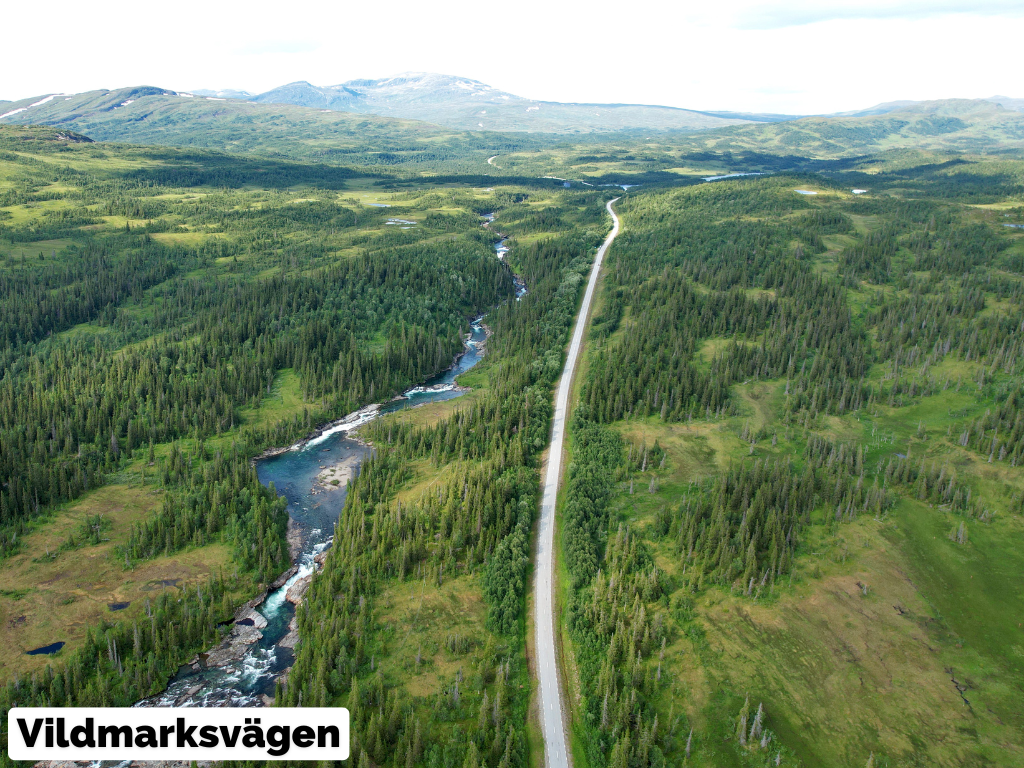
782, 15
262, 47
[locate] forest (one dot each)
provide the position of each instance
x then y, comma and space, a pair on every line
159, 333
793, 491
147, 327
780, 388
470, 529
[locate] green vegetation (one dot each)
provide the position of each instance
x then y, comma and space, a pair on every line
416, 622
791, 523
799, 413
158, 117
953, 124
171, 340
196, 308
179, 329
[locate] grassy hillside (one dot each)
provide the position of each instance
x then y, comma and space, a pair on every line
971, 163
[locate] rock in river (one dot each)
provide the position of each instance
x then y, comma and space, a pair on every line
297, 591
250, 617
235, 644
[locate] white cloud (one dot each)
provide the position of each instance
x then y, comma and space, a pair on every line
777, 15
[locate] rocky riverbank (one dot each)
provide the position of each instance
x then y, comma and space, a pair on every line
349, 422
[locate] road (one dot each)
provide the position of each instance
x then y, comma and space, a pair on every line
555, 749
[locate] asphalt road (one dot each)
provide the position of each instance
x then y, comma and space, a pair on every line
555, 743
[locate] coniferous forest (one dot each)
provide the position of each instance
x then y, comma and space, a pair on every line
795, 432
790, 523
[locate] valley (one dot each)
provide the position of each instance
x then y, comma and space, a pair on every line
726, 471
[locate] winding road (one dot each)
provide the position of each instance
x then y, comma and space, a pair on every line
553, 726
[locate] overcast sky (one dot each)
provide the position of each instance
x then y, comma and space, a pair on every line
805, 56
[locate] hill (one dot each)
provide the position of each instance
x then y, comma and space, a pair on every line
950, 124
1015, 105
462, 103
795, 489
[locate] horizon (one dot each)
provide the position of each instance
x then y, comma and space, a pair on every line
203, 90
760, 56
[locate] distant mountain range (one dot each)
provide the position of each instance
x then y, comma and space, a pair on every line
157, 116
452, 102
464, 104
376, 117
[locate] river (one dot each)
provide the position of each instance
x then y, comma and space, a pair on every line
501, 250
302, 475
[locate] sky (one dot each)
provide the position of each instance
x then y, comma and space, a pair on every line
797, 57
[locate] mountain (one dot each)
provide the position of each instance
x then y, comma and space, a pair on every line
464, 104
328, 123
298, 112
879, 109
29, 110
